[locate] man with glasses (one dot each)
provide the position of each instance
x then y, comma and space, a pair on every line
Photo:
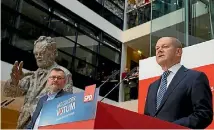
55, 84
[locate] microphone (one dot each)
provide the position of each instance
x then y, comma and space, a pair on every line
9, 102
3, 102
129, 74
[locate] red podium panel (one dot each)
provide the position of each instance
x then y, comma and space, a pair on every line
111, 117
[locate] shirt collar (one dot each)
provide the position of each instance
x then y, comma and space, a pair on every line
53, 95
175, 68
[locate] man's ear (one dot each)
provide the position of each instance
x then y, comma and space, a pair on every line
179, 51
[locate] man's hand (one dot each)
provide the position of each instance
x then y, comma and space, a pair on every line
17, 73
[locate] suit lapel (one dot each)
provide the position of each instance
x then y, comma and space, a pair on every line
60, 93
154, 96
173, 84
38, 109
43, 100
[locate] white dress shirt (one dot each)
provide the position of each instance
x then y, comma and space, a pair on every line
173, 70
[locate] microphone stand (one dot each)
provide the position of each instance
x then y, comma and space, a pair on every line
131, 72
114, 74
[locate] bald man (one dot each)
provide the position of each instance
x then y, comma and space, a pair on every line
181, 95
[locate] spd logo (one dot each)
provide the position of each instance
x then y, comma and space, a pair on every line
89, 93
88, 98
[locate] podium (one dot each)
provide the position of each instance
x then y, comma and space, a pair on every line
111, 117
81, 111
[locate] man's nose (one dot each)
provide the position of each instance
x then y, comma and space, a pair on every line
160, 50
55, 79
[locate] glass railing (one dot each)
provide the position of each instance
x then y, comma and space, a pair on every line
139, 13
160, 7
190, 21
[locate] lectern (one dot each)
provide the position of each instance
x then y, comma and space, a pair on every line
83, 111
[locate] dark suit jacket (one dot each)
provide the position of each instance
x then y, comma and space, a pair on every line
187, 101
39, 106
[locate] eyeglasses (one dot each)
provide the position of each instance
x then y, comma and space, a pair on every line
56, 77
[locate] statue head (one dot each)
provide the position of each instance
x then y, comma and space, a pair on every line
45, 51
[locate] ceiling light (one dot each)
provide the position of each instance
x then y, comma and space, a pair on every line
139, 52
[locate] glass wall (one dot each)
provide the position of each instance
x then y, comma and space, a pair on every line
199, 23
10, 3
87, 41
62, 27
188, 20
83, 49
111, 10
83, 68
211, 5
107, 52
191, 21
167, 20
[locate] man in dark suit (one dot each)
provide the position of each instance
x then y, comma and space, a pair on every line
56, 82
181, 95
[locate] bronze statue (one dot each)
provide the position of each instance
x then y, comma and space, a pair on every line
32, 85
